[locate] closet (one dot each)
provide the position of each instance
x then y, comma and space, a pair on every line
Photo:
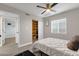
34, 30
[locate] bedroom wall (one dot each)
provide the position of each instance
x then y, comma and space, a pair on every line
25, 24
26, 28
72, 24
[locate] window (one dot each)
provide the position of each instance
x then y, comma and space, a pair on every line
58, 26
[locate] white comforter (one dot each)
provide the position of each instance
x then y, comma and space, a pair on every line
54, 46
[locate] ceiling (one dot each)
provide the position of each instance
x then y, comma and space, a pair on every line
33, 10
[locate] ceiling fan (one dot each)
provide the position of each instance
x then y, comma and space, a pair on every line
48, 7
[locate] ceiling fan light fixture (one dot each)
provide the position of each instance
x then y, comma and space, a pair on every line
48, 10
48, 7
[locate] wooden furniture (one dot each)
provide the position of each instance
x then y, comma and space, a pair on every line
34, 30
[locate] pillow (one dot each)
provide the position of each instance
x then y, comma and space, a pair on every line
74, 43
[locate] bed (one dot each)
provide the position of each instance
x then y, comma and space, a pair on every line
54, 47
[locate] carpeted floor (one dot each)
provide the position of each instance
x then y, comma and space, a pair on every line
10, 48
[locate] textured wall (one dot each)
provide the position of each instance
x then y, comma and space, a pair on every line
72, 24
25, 23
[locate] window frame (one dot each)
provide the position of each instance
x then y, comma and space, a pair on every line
58, 27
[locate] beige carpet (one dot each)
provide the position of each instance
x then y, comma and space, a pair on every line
10, 48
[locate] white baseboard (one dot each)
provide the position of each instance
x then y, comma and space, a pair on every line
25, 44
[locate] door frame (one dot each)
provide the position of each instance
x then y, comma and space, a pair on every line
17, 33
1, 38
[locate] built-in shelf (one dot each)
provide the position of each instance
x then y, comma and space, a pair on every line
34, 30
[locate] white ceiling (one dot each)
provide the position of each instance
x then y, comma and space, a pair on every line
33, 10
6, 14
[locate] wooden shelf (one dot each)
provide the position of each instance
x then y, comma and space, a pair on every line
34, 30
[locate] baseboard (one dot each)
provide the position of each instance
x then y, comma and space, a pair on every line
25, 44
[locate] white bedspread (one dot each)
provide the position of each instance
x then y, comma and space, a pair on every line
54, 46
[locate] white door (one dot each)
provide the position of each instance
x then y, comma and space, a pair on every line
40, 30
2, 31
17, 30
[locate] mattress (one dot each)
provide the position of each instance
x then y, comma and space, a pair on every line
54, 47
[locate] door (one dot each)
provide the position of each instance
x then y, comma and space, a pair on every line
2, 31
40, 30
17, 30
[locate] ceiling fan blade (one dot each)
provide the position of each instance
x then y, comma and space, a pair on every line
53, 4
41, 7
53, 10
43, 12
47, 5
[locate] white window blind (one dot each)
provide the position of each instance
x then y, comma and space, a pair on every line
58, 26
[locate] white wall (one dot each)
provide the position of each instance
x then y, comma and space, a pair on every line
25, 23
72, 24
26, 28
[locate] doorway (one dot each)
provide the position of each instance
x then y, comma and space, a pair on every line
34, 30
9, 30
